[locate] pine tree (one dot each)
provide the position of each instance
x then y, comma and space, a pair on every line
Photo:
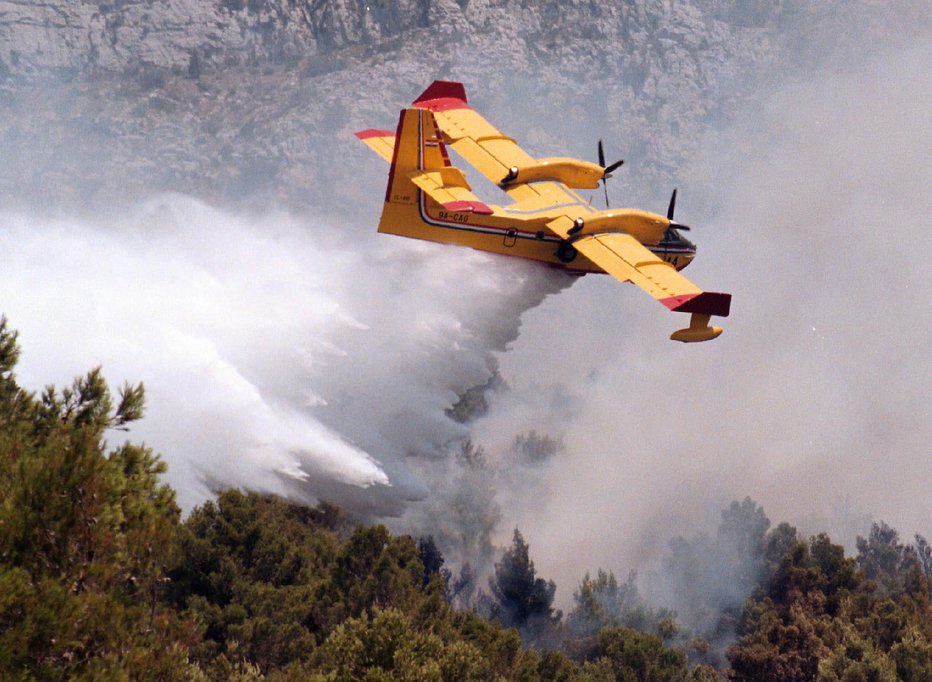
86, 536
522, 600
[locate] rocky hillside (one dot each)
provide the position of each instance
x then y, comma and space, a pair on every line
256, 100
187, 35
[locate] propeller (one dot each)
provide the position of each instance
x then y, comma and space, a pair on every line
670, 210
607, 170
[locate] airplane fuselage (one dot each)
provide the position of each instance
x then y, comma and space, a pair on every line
489, 228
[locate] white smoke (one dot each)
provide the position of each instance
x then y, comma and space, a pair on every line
278, 354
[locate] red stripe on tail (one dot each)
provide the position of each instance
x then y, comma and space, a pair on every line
443, 90
443, 96
471, 206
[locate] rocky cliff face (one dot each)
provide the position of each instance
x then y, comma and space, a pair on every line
257, 99
187, 35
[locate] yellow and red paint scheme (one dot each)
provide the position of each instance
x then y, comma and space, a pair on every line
429, 198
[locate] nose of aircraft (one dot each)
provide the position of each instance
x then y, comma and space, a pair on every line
675, 249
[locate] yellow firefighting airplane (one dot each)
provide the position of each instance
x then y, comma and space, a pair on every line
428, 198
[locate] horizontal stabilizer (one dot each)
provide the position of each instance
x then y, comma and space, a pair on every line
381, 141
449, 188
469, 207
373, 132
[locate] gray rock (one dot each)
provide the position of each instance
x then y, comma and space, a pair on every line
256, 100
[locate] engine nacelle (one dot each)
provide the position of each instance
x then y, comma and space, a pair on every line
571, 172
646, 227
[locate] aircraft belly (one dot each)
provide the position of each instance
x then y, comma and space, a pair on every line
509, 242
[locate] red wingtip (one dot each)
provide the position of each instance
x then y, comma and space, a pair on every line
705, 303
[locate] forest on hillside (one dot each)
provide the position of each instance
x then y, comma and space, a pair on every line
102, 578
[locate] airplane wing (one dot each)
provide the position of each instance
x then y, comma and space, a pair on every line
473, 137
486, 148
626, 259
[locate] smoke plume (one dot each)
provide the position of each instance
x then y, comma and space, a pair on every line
278, 354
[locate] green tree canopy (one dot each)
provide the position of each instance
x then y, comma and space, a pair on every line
821, 617
521, 599
100, 579
86, 535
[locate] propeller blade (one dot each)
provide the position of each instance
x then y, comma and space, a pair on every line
670, 208
614, 166
607, 170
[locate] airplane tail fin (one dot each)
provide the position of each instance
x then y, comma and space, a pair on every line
418, 148
422, 183
418, 161
405, 159
415, 145
405, 151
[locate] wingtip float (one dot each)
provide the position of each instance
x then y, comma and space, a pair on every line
427, 197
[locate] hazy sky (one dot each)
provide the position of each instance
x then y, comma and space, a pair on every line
814, 401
